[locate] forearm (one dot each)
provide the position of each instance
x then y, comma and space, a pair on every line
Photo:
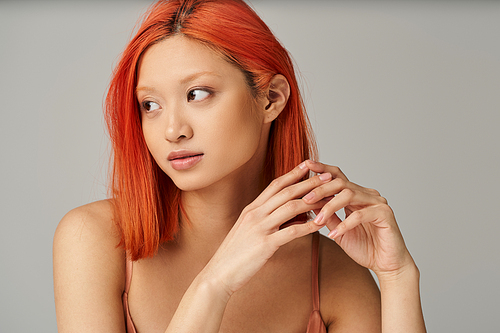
401, 307
201, 308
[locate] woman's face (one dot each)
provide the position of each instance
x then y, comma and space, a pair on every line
200, 122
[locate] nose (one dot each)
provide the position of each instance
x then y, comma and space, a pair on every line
178, 127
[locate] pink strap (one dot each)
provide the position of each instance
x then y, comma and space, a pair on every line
316, 324
128, 279
128, 274
315, 269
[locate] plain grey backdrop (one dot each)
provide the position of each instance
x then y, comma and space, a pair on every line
404, 96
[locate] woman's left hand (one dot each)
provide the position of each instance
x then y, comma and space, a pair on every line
369, 234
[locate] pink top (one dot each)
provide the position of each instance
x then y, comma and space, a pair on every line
315, 325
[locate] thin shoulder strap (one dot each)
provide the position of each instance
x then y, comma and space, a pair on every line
315, 270
128, 279
316, 324
128, 274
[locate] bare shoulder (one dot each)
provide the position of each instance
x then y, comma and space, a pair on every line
349, 296
93, 220
89, 230
89, 270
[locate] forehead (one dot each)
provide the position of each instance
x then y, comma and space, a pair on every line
179, 57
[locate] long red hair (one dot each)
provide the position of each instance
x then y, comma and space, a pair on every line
146, 201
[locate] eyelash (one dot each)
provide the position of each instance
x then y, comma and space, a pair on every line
190, 97
146, 105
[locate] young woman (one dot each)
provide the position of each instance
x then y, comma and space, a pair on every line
214, 175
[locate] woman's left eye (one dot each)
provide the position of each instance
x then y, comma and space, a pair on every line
197, 95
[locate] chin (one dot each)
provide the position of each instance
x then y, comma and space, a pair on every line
204, 179
189, 182
187, 186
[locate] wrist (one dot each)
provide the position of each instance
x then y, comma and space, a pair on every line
400, 300
210, 283
202, 306
406, 273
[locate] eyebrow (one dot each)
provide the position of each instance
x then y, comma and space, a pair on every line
197, 75
146, 89
185, 80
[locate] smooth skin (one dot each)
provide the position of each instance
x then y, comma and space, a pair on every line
231, 268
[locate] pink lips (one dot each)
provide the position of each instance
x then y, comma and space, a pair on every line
184, 159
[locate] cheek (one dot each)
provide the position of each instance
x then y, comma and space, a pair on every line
242, 134
146, 132
152, 140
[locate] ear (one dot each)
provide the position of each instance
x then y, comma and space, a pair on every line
277, 95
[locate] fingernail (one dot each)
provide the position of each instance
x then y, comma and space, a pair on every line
309, 196
319, 218
302, 165
333, 233
325, 176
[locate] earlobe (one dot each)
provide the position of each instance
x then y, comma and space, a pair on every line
277, 96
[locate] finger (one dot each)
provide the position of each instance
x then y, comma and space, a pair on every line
346, 197
371, 214
294, 191
292, 232
332, 222
315, 210
279, 183
321, 168
330, 189
288, 211
324, 201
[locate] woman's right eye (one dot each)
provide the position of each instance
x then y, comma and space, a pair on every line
149, 106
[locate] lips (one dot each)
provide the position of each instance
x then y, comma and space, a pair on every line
179, 154
184, 159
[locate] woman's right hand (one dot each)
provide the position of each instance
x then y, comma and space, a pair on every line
256, 235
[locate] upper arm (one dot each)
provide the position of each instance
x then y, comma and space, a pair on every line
89, 271
350, 298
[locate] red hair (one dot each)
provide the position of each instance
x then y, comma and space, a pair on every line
147, 203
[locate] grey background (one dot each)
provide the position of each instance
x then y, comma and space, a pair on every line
403, 96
